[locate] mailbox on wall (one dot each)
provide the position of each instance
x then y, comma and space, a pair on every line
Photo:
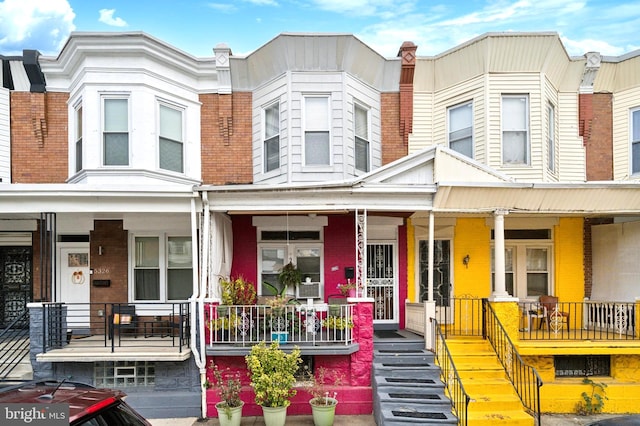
102, 283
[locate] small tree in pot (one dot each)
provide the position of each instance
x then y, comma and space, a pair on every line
323, 402
272, 373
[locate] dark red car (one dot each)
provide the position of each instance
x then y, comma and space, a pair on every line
88, 406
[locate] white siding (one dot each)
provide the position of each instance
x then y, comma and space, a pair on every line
623, 102
516, 83
571, 152
5, 137
342, 90
422, 135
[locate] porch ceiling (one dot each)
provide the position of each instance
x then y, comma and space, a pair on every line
580, 198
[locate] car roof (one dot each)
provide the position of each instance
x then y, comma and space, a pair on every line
82, 398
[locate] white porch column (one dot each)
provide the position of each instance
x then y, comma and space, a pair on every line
500, 291
430, 260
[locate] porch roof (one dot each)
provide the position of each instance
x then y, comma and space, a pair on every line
61, 198
587, 198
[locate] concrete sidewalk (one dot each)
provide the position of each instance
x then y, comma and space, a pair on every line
547, 420
259, 421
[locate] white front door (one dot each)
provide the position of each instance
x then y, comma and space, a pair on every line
74, 284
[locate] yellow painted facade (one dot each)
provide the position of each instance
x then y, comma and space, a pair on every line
472, 237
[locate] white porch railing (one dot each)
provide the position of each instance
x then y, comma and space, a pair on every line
298, 324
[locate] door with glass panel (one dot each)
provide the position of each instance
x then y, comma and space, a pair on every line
441, 275
381, 282
527, 270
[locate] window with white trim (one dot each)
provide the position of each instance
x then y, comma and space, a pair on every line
163, 269
278, 247
317, 147
527, 264
361, 131
635, 141
271, 144
116, 132
78, 137
515, 129
551, 137
461, 128
170, 139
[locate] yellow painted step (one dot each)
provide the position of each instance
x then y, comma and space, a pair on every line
511, 418
494, 403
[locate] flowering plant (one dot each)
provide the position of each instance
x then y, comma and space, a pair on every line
228, 386
344, 288
316, 387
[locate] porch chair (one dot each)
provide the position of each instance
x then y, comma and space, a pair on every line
551, 313
123, 317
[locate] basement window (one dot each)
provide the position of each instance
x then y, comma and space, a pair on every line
122, 374
582, 365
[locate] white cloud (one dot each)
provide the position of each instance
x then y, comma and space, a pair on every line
222, 7
387, 9
106, 17
262, 2
34, 24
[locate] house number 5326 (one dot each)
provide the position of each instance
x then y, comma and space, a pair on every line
101, 270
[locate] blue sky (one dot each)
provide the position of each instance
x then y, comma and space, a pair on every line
196, 26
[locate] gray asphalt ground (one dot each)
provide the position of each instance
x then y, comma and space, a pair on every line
547, 420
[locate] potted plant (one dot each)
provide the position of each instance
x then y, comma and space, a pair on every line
348, 289
336, 325
237, 291
290, 276
272, 373
228, 387
323, 402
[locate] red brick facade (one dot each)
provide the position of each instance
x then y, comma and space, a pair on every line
393, 145
596, 128
226, 135
112, 264
39, 137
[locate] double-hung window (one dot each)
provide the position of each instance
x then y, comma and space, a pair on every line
276, 248
515, 129
170, 142
361, 124
78, 138
635, 141
461, 128
317, 146
271, 137
551, 137
116, 132
163, 269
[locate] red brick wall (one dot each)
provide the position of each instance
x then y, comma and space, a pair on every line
393, 145
39, 141
596, 127
112, 264
226, 136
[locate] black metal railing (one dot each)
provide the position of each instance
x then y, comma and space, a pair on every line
460, 399
14, 344
116, 325
525, 378
462, 316
585, 320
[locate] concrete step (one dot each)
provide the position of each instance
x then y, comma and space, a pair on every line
404, 356
395, 414
433, 382
430, 396
501, 417
494, 402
